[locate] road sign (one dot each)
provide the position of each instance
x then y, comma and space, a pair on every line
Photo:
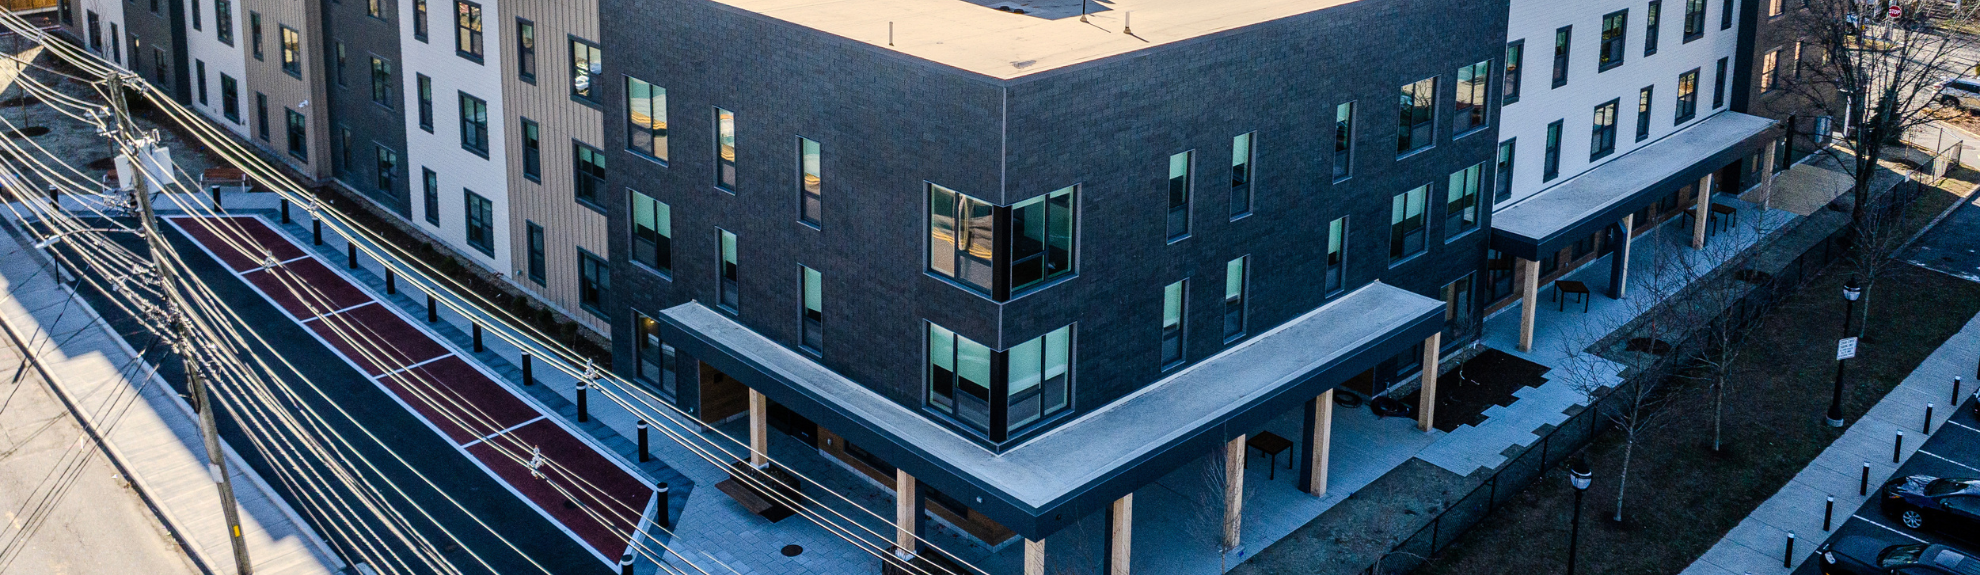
1897, 11
1845, 348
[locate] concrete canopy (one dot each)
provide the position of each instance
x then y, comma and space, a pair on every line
1081, 466
1574, 209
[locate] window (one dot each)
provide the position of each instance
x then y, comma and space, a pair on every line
1343, 145
587, 62
532, 150
1406, 223
117, 55
1039, 370
230, 98
67, 11
1336, 274
811, 318
959, 377
594, 282
261, 115
195, 14
419, 20
1241, 166
725, 150
1719, 85
467, 29
589, 172
480, 222
1461, 201
526, 50
346, 161
292, 53
1515, 59
1773, 8
1798, 45
1615, 32
646, 119
1769, 68
652, 232
730, 291
381, 81
474, 124
1419, 112
1694, 19
960, 230
1551, 166
1502, 173
1172, 323
1234, 288
1725, 14
1457, 308
1653, 19
158, 64
95, 30
811, 183
656, 363
430, 183
199, 70
1469, 111
1042, 238
254, 33
536, 263
425, 86
1563, 37
1180, 180
298, 141
1038, 379
1602, 141
1643, 99
375, 8
388, 171
1687, 99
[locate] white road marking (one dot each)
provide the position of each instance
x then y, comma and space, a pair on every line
499, 433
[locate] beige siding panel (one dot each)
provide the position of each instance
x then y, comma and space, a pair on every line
568, 225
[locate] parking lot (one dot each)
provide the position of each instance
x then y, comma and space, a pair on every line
1953, 450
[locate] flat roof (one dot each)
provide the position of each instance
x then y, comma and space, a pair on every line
975, 36
1130, 431
1606, 192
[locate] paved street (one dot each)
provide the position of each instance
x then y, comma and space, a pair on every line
1953, 451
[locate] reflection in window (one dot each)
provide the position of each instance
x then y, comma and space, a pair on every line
1234, 288
652, 232
1179, 187
1336, 254
1406, 223
1172, 323
725, 150
811, 183
1042, 238
960, 237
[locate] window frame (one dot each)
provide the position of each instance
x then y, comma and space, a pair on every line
468, 42
1563, 51
1060, 213
1470, 118
661, 244
1602, 135
381, 88
1334, 260
655, 129
588, 177
1694, 20
424, 84
1244, 168
1687, 100
1550, 166
1504, 166
430, 194
1417, 116
1645, 106
1344, 121
474, 128
725, 132
534, 242
291, 41
1401, 228
810, 172
421, 24
526, 50
1236, 311
591, 94
1653, 23
1514, 68
728, 265
811, 314
530, 135
298, 135
388, 171
1462, 203
594, 274
1614, 40
1719, 84
1180, 212
484, 213
1179, 330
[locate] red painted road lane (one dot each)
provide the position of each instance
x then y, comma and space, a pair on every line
391, 342
617, 498
459, 400
261, 241
293, 283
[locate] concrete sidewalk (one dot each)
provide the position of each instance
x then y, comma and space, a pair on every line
146, 428
1759, 543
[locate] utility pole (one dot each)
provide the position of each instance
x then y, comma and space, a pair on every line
138, 153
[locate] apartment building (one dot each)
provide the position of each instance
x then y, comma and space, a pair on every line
1034, 267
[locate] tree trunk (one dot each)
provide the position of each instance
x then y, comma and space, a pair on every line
1629, 446
1718, 409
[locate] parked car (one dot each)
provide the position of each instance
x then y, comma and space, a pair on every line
1942, 504
1961, 93
1859, 555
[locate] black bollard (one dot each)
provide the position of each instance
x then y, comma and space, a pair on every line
584, 409
529, 375
1788, 561
1955, 400
1928, 418
216, 196
285, 211
626, 564
350, 253
1864, 487
660, 492
1828, 512
316, 232
644, 455
432, 309
477, 337
1897, 449
55, 197
391, 282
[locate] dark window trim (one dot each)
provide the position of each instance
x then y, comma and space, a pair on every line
604, 288
1515, 72
597, 99
532, 231
1621, 43
528, 77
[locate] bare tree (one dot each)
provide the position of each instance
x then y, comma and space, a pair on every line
1721, 277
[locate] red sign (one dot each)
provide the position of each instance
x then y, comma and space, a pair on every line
1897, 11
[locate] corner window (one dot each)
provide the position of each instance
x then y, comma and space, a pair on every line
467, 30
1042, 238
587, 62
1515, 59
730, 285
526, 50
480, 222
1602, 140
959, 377
1469, 112
1234, 288
1687, 97
1336, 255
474, 124
1172, 323
1653, 19
812, 316
960, 238
646, 119
1461, 201
1037, 385
588, 173
1241, 167
1180, 183
962, 245
652, 232
594, 282
536, 256
1406, 223
1040, 373
1343, 141
725, 150
1502, 173
1563, 39
1615, 33
811, 183
1419, 114
1551, 165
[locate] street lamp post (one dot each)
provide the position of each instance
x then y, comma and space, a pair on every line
1851, 291
1579, 477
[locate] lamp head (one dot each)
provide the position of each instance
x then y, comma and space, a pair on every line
1579, 476
1851, 290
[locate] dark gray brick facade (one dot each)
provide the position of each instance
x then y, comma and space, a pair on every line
371, 124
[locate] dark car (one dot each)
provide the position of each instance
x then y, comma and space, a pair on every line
1858, 555
1945, 505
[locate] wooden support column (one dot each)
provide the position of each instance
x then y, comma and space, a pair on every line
1702, 212
1120, 534
1034, 557
904, 512
1529, 290
759, 429
1426, 399
1319, 439
1767, 176
1619, 256
1233, 491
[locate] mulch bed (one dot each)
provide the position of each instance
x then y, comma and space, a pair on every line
1464, 392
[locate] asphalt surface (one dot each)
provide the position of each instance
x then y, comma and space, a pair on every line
426, 470
1953, 246
1952, 451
